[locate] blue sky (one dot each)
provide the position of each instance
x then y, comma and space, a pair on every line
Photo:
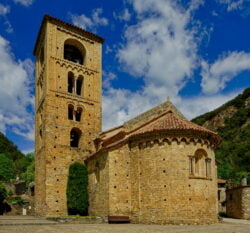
196, 52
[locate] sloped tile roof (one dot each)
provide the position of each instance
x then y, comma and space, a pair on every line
170, 121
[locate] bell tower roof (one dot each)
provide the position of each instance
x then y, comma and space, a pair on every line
78, 30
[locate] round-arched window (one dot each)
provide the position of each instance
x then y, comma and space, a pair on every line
74, 51
75, 135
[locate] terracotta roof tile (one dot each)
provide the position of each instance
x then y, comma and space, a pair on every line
170, 121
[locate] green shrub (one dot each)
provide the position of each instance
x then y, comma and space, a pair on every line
222, 214
3, 193
77, 190
18, 201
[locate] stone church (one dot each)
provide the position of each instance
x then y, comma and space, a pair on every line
156, 168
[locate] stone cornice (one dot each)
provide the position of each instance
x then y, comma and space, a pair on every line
74, 97
72, 65
58, 22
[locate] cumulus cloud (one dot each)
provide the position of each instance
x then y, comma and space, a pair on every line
16, 100
233, 4
24, 2
4, 10
123, 16
216, 75
120, 105
161, 48
92, 22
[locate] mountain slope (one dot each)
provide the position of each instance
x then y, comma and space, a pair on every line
20, 161
232, 122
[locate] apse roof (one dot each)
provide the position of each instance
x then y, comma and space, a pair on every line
168, 120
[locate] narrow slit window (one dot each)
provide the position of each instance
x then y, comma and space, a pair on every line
191, 165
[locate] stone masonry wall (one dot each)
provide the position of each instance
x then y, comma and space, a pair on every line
53, 152
162, 189
98, 187
149, 181
120, 182
238, 202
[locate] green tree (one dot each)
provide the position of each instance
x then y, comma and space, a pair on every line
6, 168
3, 193
29, 175
77, 190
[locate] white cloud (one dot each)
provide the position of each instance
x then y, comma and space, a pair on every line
233, 4
108, 77
25, 152
92, 22
120, 105
24, 2
197, 105
16, 100
4, 10
161, 48
123, 16
216, 75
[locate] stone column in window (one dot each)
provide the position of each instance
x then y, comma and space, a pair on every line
75, 86
208, 167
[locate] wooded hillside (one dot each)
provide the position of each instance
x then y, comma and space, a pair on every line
232, 122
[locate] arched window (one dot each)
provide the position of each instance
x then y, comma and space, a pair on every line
200, 164
71, 82
74, 51
75, 135
79, 85
78, 114
70, 112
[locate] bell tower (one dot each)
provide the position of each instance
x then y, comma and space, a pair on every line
68, 107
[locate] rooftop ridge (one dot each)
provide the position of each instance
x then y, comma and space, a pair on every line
86, 33
178, 120
151, 114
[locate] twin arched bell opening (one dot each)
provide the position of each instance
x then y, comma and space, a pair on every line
75, 84
74, 115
